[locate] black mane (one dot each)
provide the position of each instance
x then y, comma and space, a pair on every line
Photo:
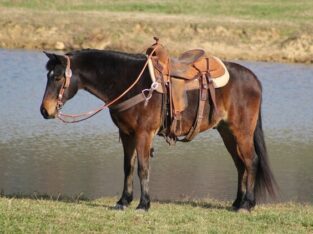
109, 55
91, 54
113, 53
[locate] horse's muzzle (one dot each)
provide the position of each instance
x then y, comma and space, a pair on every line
46, 114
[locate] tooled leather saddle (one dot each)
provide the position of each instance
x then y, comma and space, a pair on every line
192, 70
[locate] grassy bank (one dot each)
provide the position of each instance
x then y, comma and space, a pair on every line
258, 30
48, 216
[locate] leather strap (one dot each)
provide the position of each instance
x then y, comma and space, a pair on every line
203, 97
212, 94
66, 84
129, 103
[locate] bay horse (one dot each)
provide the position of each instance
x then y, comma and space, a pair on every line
106, 74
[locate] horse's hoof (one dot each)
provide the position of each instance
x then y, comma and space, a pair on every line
142, 208
120, 207
236, 204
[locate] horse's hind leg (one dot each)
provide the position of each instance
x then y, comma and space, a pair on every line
243, 131
250, 159
231, 145
128, 142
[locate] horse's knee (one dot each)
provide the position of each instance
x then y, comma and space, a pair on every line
143, 171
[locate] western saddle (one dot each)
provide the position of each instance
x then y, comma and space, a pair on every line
192, 70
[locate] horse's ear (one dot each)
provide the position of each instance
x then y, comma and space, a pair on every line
60, 58
49, 55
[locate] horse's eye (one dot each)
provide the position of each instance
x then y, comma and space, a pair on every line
57, 78
54, 75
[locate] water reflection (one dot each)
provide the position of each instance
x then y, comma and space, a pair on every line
50, 157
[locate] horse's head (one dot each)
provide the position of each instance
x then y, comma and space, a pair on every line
60, 85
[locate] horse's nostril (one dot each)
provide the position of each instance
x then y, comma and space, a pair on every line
44, 112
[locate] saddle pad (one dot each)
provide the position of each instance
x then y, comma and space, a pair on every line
221, 81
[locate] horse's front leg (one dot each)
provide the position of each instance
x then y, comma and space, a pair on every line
143, 146
129, 145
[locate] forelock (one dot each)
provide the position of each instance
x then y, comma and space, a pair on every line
51, 64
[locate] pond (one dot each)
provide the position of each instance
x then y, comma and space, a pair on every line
49, 157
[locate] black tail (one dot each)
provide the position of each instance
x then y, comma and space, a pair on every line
265, 181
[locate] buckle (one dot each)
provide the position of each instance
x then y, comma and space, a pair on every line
59, 105
68, 73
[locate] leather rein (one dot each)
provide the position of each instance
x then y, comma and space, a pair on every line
86, 115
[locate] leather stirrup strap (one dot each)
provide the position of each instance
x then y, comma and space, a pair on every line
203, 97
212, 94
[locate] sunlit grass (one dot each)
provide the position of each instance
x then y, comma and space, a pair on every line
206, 216
266, 10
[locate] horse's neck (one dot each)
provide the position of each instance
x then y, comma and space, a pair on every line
106, 82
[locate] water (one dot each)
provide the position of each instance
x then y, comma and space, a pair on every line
49, 157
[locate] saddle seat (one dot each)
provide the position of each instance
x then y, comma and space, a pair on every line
188, 65
181, 66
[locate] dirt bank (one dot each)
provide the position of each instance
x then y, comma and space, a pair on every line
224, 37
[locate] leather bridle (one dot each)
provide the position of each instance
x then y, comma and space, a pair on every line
67, 74
89, 114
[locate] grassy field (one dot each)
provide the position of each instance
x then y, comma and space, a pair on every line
251, 30
208, 216
281, 10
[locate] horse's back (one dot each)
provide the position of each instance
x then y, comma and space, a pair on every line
242, 75
243, 83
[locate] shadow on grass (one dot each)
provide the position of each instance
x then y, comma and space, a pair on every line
108, 207
81, 197
57, 198
46, 197
200, 204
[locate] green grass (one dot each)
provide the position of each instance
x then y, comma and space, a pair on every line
300, 11
48, 216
